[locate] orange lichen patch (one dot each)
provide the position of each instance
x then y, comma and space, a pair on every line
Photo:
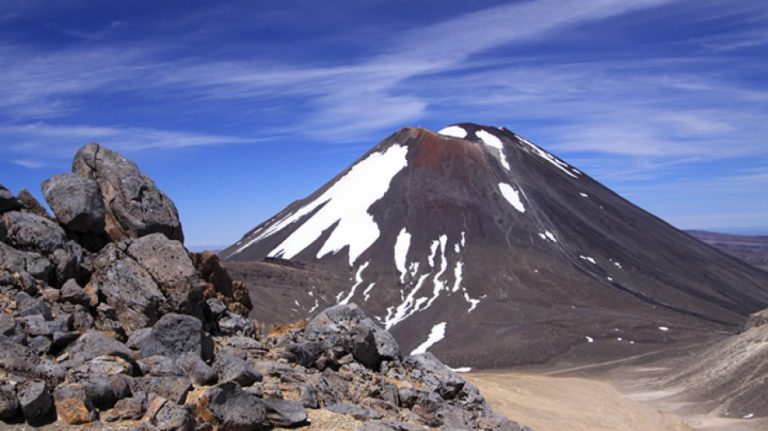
278, 330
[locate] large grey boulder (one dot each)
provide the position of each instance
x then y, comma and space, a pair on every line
76, 201
171, 268
128, 288
134, 205
174, 335
27, 231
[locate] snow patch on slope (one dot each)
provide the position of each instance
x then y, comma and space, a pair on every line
358, 280
559, 164
454, 132
436, 334
345, 204
402, 244
492, 141
512, 196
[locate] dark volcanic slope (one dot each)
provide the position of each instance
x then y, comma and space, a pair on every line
750, 249
489, 251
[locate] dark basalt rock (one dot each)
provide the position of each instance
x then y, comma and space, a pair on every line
232, 367
7, 201
36, 402
171, 268
31, 232
285, 413
31, 205
128, 288
76, 201
9, 405
174, 335
232, 409
134, 205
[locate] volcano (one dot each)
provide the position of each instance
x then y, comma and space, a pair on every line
485, 249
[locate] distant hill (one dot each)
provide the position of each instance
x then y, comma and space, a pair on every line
750, 249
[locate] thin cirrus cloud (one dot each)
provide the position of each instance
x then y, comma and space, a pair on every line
35, 140
616, 106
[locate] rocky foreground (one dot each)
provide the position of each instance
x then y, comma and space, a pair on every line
106, 320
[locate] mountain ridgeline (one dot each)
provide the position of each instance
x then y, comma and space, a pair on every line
485, 249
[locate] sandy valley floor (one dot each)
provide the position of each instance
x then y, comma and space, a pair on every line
554, 403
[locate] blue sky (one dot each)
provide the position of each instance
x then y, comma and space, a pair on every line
238, 108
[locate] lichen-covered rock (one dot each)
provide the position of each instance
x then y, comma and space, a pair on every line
31, 232
134, 205
171, 268
73, 405
76, 201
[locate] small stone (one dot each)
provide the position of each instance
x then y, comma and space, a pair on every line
173, 417
9, 405
198, 371
73, 405
72, 292
235, 324
232, 368
35, 401
131, 408
285, 413
40, 344
63, 339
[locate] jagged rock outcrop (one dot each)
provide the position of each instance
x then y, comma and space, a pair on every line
132, 331
134, 205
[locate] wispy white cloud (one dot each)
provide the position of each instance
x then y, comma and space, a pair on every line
30, 145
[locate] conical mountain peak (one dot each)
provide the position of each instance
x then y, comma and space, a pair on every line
448, 237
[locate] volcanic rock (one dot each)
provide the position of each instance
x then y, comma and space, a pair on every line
31, 205
76, 201
174, 335
7, 201
127, 287
232, 409
35, 402
171, 268
28, 231
73, 405
134, 205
